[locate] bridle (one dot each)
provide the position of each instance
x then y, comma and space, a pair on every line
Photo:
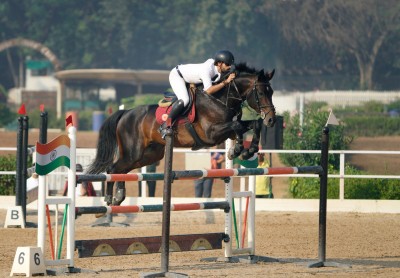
255, 92
237, 96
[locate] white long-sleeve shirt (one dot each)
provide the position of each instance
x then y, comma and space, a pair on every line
200, 73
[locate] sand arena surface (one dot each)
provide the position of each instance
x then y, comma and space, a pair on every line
368, 244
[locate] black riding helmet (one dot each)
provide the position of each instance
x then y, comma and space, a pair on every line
224, 56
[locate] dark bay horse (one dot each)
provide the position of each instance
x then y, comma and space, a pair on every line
130, 139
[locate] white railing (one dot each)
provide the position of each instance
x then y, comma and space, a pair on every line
85, 156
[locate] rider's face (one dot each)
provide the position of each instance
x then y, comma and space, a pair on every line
224, 67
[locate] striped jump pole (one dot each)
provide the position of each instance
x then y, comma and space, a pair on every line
198, 174
151, 208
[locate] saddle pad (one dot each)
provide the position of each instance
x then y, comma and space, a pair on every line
162, 112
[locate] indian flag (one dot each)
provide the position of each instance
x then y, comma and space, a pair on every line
52, 155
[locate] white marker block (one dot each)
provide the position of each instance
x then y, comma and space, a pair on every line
28, 261
14, 218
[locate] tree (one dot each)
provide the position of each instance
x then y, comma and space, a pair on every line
357, 29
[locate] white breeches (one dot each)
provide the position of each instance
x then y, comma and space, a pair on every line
178, 85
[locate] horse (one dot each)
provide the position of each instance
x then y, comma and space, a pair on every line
131, 139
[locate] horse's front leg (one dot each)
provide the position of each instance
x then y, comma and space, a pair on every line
239, 128
248, 153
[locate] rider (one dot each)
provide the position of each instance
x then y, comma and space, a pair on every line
206, 73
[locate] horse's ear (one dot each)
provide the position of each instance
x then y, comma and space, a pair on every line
261, 73
269, 75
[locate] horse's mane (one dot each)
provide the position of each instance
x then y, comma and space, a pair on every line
244, 68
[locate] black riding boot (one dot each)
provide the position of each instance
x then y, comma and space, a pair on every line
176, 110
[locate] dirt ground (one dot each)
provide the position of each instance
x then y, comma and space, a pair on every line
362, 245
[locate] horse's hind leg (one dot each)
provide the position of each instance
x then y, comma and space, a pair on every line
120, 193
109, 193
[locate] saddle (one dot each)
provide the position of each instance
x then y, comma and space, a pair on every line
187, 117
165, 104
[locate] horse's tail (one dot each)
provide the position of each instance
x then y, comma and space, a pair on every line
106, 145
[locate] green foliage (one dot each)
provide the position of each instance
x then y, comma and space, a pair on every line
7, 182
308, 137
146, 99
52, 121
370, 119
373, 125
160, 34
6, 115
373, 189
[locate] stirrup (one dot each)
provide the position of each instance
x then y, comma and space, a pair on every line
166, 131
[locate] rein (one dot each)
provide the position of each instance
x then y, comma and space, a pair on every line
236, 96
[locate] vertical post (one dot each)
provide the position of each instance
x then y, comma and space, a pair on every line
323, 177
18, 177
341, 179
228, 198
323, 194
71, 196
42, 191
25, 127
41, 239
169, 142
43, 128
251, 218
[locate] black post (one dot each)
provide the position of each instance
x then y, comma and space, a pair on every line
43, 128
25, 128
166, 216
19, 166
169, 142
323, 195
323, 199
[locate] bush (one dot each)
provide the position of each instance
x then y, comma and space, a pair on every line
372, 189
7, 182
308, 137
372, 125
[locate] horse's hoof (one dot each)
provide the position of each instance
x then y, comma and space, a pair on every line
245, 155
238, 148
119, 197
108, 199
232, 154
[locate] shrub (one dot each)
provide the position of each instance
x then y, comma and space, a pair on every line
308, 137
7, 182
373, 189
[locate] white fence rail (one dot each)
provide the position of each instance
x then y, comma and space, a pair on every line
294, 101
56, 180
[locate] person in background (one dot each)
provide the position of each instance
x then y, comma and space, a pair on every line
203, 187
82, 189
263, 188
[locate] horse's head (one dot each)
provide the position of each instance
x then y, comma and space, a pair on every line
256, 89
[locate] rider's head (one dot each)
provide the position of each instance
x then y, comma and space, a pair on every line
225, 57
